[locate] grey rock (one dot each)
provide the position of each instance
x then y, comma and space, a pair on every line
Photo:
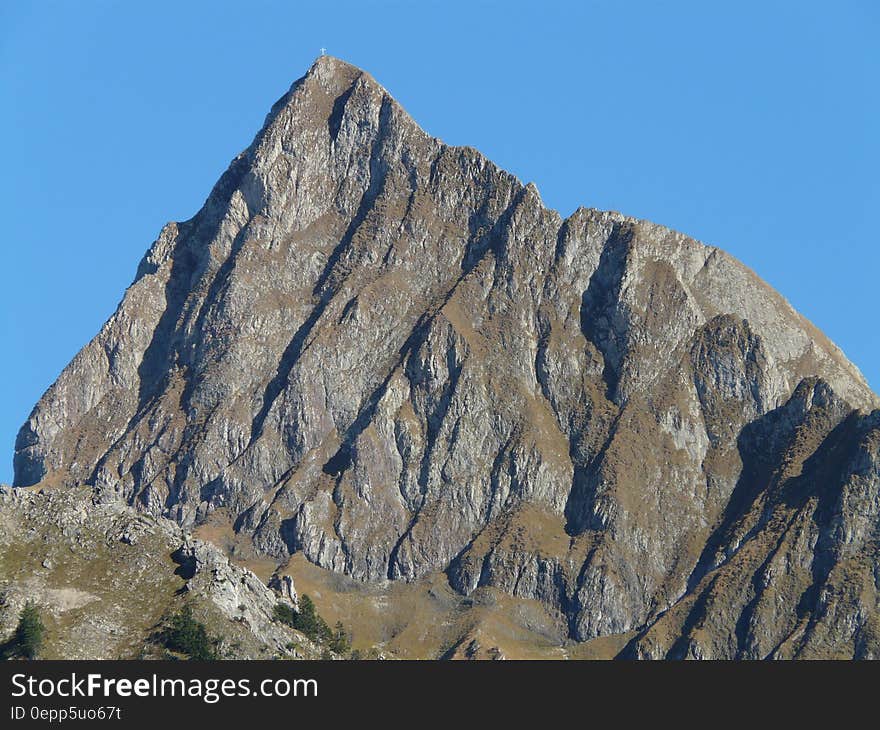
283, 586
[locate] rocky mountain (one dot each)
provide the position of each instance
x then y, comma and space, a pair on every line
384, 354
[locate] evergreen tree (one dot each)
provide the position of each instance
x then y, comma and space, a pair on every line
28, 639
339, 642
185, 635
308, 621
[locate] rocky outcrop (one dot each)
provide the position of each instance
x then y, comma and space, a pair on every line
237, 592
386, 353
283, 586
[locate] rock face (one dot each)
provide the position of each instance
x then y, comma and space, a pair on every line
386, 353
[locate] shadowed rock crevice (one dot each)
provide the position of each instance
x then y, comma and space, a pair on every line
603, 318
334, 122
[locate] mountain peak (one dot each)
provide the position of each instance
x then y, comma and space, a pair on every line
334, 73
331, 65
386, 354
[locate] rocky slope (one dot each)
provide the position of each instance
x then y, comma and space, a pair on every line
386, 354
106, 579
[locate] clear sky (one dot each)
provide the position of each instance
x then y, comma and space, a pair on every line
754, 127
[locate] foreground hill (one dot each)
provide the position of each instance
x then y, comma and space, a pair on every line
108, 581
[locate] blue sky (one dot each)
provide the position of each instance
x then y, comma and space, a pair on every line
752, 126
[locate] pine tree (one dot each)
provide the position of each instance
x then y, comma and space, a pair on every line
339, 641
28, 639
185, 635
